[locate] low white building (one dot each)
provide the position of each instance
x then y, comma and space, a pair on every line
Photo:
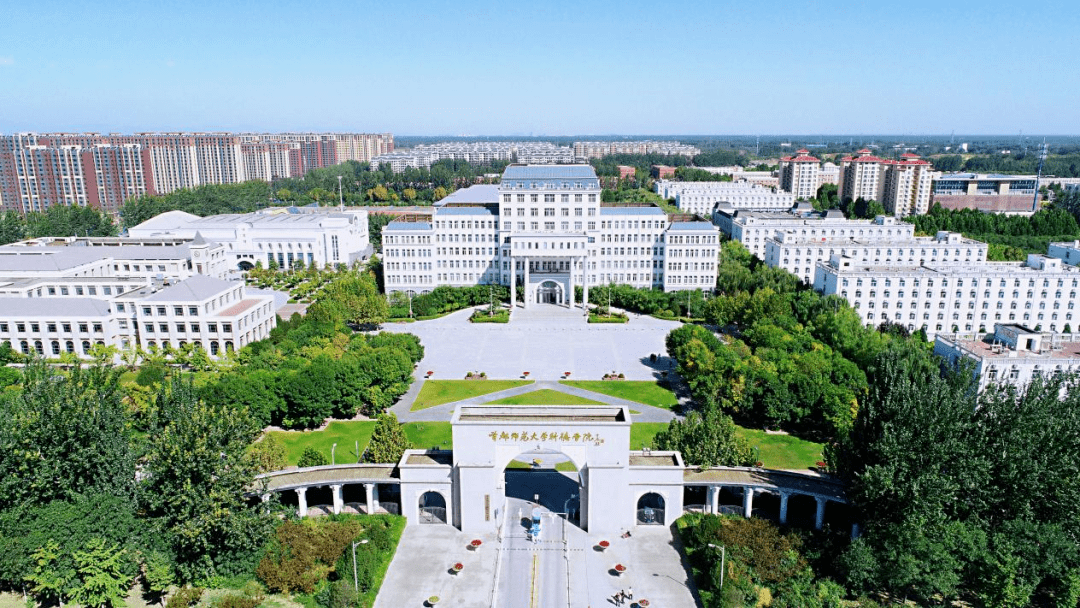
1013, 354
151, 258
51, 318
702, 197
1068, 252
279, 238
754, 229
799, 254
545, 225
961, 298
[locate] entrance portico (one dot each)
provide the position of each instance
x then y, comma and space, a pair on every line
550, 266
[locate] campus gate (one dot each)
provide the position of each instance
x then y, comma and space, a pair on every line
596, 439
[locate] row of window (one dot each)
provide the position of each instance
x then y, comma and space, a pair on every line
52, 327
182, 327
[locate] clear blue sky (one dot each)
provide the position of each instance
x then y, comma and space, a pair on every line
551, 68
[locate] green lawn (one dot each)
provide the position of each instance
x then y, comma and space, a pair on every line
438, 392
424, 435
545, 396
782, 451
642, 433
642, 391
345, 433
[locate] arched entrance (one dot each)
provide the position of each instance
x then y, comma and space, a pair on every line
432, 508
245, 265
550, 292
650, 510
544, 479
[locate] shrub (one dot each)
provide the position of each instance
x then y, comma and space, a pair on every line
235, 600
303, 553
312, 458
151, 373
185, 597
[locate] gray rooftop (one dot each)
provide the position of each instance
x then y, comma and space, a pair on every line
485, 193
464, 211
549, 172
657, 211
408, 226
53, 307
707, 226
195, 289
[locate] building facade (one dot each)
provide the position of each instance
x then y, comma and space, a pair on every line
962, 298
902, 186
423, 156
586, 150
544, 230
800, 174
701, 197
1012, 194
754, 229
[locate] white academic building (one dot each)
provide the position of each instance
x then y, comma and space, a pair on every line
754, 229
1013, 354
280, 238
957, 297
543, 229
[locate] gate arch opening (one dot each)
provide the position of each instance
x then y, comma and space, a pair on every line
432, 508
650, 510
550, 292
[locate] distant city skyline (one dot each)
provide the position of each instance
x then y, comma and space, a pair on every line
595, 68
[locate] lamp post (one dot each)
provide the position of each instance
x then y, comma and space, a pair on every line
723, 557
355, 580
341, 196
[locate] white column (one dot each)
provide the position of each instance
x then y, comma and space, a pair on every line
855, 531
525, 289
714, 499
265, 497
783, 506
570, 294
585, 283
513, 282
819, 517
301, 497
375, 496
747, 501
336, 489
369, 490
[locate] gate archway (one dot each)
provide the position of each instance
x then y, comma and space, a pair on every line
550, 292
432, 508
650, 510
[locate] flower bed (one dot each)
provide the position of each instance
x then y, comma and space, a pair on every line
615, 318
614, 376
619, 568
476, 376
475, 544
603, 545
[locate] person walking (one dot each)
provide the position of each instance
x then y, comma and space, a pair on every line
630, 595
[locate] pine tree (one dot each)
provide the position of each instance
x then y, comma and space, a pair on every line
388, 441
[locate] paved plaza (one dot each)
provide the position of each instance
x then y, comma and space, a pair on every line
545, 341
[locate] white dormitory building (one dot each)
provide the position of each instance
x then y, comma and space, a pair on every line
1013, 354
701, 198
545, 228
800, 174
903, 187
281, 238
965, 298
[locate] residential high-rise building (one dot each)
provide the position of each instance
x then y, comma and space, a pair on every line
37, 171
902, 186
800, 174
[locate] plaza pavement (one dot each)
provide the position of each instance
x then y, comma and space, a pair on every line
545, 341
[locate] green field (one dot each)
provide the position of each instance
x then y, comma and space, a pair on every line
424, 435
345, 433
438, 392
641, 391
642, 433
545, 396
782, 451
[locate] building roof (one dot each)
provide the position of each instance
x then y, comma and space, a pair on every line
803, 156
197, 288
168, 220
483, 193
708, 226
632, 211
408, 226
54, 307
549, 172
464, 211
24, 259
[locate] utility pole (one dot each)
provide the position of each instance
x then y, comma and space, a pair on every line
341, 196
1038, 176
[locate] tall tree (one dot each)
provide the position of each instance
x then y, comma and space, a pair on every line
388, 441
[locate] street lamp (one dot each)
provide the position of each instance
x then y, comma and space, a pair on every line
723, 557
341, 196
355, 580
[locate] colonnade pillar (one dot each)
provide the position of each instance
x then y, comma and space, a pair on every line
336, 488
526, 286
819, 517
369, 492
513, 282
714, 499
570, 294
748, 501
301, 499
783, 507
585, 283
